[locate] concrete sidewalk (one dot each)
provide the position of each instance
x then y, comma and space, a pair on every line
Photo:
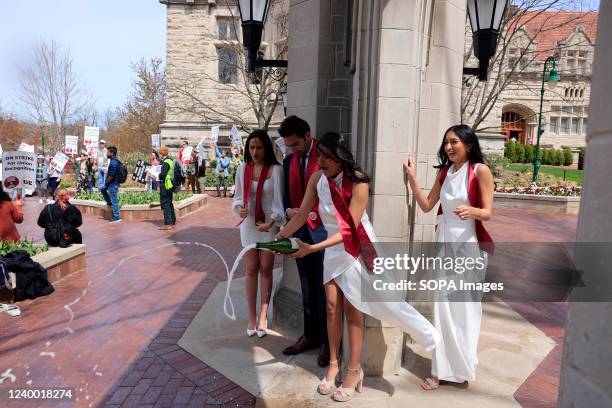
510, 349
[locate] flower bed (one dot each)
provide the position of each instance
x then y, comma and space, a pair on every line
30, 247
133, 197
148, 207
556, 191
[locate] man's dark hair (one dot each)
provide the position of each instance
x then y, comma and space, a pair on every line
292, 125
113, 150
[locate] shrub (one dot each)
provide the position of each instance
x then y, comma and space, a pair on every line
529, 153
134, 197
510, 151
520, 153
568, 158
497, 163
544, 156
559, 157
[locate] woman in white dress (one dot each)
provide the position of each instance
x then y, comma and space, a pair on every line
258, 200
464, 187
342, 190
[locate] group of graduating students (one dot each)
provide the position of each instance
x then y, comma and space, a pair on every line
319, 195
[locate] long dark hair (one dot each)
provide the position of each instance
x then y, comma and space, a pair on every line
4, 196
469, 138
338, 147
269, 157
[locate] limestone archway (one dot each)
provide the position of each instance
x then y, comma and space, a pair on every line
519, 122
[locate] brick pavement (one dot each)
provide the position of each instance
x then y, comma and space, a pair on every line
123, 351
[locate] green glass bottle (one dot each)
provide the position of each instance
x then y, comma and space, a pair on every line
283, 246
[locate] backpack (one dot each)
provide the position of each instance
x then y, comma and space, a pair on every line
178, 178
122, 172
54, 231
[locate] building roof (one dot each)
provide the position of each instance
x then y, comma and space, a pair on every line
554, 27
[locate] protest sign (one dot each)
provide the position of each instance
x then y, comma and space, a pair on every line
140, 172
155, 141
280, 142
235, 135
91, 136
153, 171
19, 171
24, 147
58, 162
71, 146
186, 156
214, 134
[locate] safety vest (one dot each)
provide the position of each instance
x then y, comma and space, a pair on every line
169, 175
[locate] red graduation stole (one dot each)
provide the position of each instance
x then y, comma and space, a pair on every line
485, 242
355, 238
248, 179
297, 189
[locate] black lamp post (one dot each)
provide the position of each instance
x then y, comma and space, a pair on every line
485, 19
253, 15
551, 75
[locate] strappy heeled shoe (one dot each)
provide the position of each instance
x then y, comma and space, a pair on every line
344, 394
327, 387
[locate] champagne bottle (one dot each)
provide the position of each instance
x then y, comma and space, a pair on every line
284, 246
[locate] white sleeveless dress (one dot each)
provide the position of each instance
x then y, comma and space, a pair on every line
455, 357
347, 272
271, 203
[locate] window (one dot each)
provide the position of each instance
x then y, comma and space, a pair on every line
511, 63
554, 124
575, 125
565, 125
227, 29
585, 122
228, 61
567, 92
582, 93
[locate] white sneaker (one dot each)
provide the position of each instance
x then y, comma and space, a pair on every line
11, 310
40, 201
49, 201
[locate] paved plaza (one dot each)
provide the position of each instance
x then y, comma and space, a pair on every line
122, 346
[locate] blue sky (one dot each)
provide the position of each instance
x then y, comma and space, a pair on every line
104, 36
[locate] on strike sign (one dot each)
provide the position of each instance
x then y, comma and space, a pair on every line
19, 171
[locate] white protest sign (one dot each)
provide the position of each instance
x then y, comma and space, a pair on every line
186, 154
155, 141
91, 136
58, 162
71, 146
280, 142
19, 171
214, 134
153, 172
235, 136
24, 147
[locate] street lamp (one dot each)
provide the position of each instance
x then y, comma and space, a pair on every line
485, 19
253, 15
551, 76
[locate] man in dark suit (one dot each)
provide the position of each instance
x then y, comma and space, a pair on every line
299, 167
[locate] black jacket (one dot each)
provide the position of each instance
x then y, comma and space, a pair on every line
32, 281
70, 218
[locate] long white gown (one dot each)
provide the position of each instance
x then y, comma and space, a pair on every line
455, 358
272, 205
347, 273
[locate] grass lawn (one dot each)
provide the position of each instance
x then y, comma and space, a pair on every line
560, 172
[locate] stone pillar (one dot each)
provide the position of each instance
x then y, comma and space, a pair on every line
585, 374
318, 90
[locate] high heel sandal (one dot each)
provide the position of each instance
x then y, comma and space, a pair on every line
327, 387
344, 394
